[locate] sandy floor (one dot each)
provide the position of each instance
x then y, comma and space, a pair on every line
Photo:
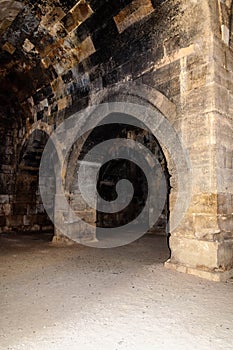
85, 298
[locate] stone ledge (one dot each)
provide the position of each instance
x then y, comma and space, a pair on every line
216, 276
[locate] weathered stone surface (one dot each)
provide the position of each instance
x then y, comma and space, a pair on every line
132, 13
59, 57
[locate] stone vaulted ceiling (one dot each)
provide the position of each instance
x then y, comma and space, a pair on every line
40, 41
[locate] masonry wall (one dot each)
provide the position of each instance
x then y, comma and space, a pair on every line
61, 56
55, 59
223, 65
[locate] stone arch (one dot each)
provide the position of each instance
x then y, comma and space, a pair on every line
40, 125
137, 94
31, 214
113, 171
147, 96
140, 92
134, 93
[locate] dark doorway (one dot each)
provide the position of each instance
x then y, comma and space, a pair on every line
117, 169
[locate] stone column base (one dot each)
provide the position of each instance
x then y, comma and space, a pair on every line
216, 276
66, 241
62, 240
212, 260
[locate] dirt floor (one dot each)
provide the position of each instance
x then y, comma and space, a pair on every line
81, 298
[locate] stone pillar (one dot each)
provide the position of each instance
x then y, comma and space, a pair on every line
72, 214
203, 243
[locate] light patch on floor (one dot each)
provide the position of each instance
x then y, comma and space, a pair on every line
85, 298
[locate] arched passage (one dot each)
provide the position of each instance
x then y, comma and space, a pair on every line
113, 171
28, 210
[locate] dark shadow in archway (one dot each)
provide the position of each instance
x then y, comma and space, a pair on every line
115, 170
29, 215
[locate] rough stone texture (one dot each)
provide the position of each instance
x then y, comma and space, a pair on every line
56, 57
77, 295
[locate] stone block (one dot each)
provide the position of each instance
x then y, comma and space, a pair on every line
78, 14
4, 198
194, 253
225, 223
132, 13
88, 216
205, 225
52, 17
9, 48
205, 203
5, 209
84, 50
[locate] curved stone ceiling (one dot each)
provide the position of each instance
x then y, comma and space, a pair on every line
41, 41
